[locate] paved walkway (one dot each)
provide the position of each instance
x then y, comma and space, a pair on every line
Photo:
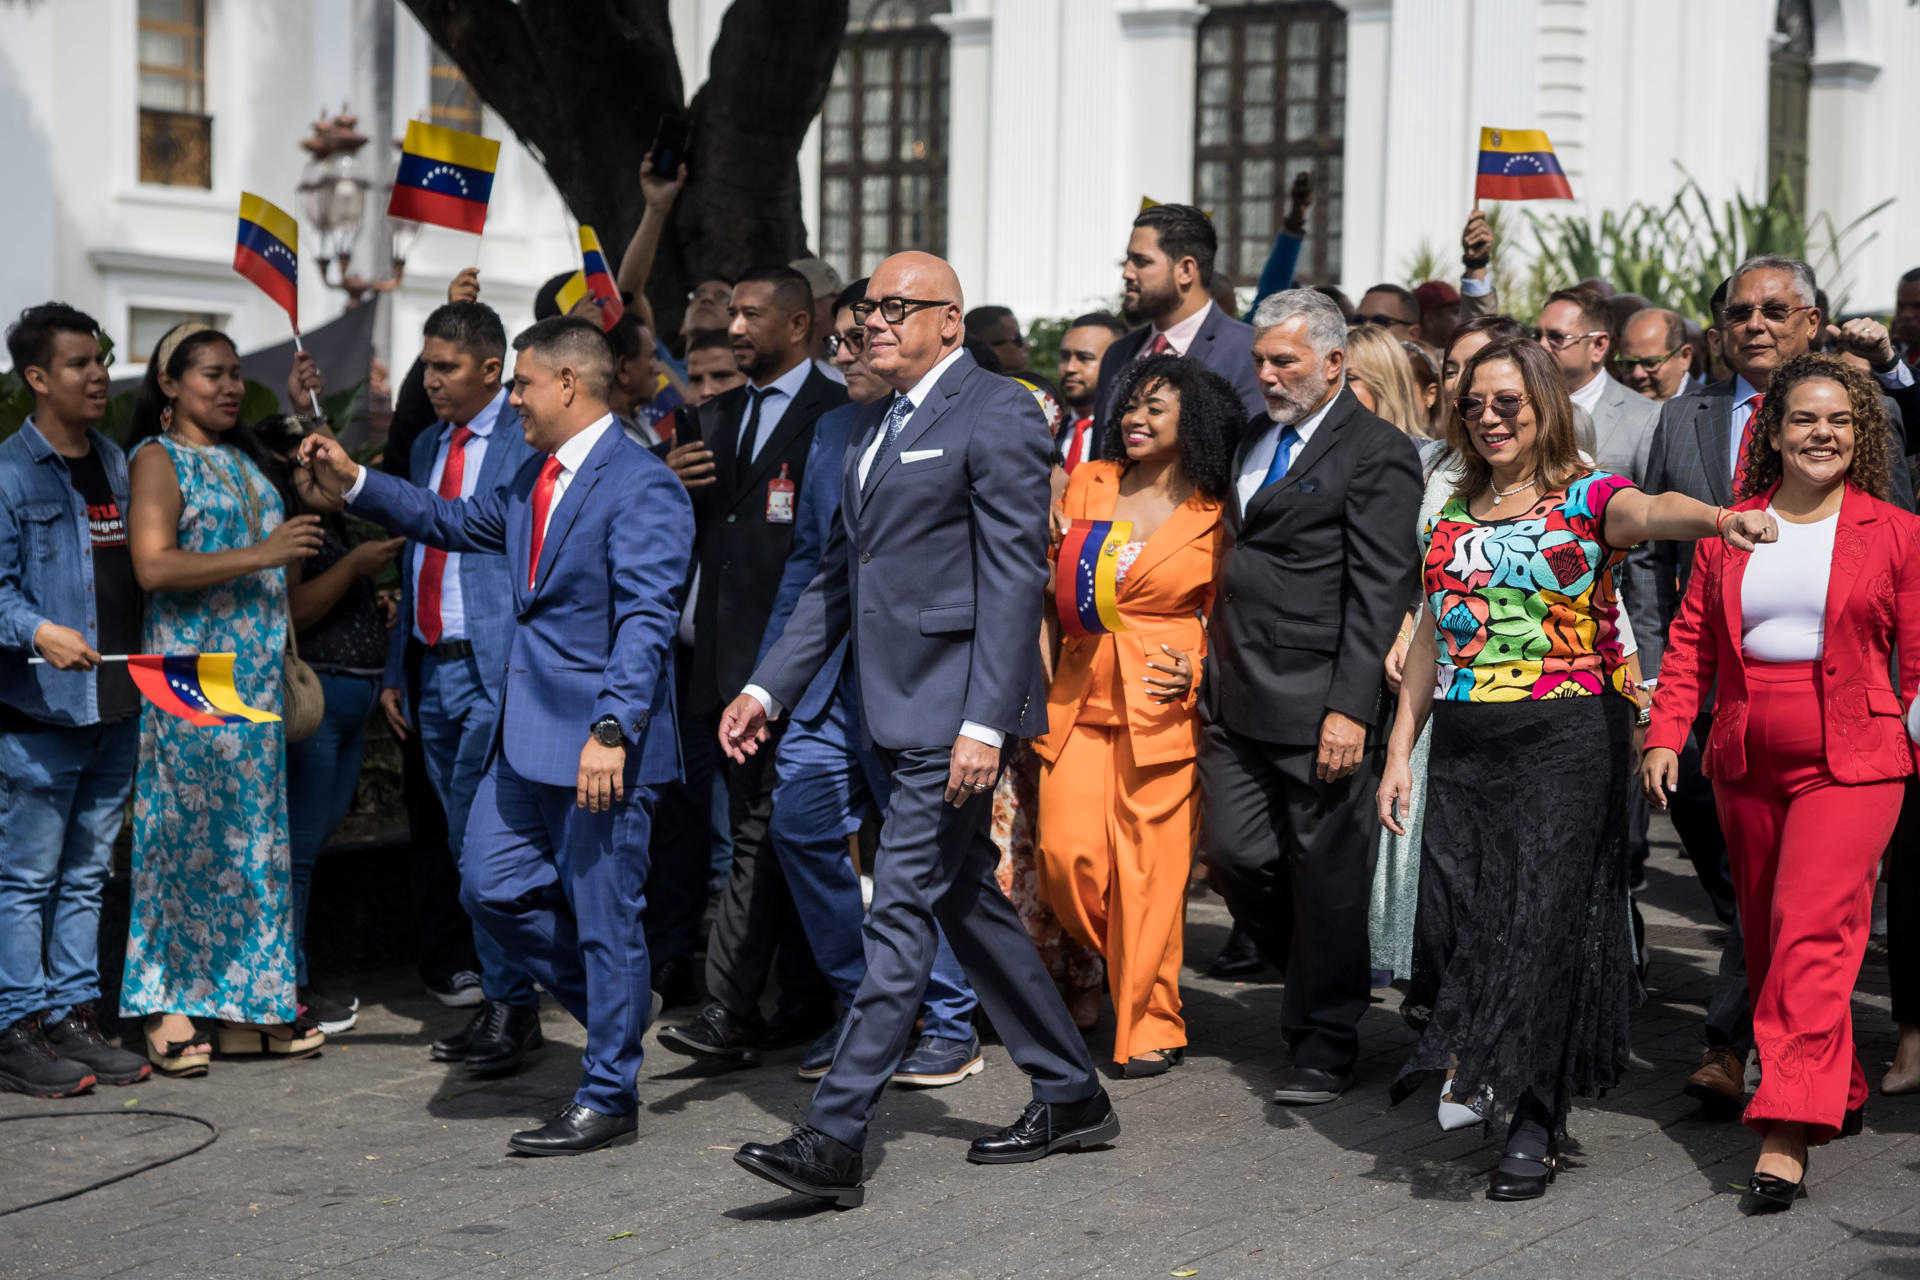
371, 1162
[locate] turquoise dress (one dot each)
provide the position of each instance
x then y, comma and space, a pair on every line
212, 927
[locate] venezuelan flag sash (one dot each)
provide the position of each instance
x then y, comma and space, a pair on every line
197, 687
267, 252
445, 177
599, 278
1086, 580
1519, 164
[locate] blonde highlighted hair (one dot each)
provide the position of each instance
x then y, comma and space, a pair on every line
1376, 358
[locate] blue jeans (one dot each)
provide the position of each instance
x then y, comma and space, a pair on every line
455, 721
63, 796
322, 773
827, 785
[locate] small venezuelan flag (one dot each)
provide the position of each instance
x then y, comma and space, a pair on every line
1086, 584
197, 687
1519, 164
572, 293
268, 253
445, 177
600, 279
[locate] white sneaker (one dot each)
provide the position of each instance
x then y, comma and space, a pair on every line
460, 991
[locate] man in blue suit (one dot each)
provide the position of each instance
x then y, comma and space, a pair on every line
934, 575
597, 534
455, 620
830, 782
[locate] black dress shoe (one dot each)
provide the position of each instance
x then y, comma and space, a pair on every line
811, 1163
1853, 1122
1046, 1127
575, 1130
1520, 1176
1310, 1086
719, 1034
1767, 1193
454, 1047
502, 1042
1240, 958
673, 983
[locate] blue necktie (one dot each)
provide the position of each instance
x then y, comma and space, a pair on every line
897, 415
1282, 455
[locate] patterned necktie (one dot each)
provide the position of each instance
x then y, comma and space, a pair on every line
542, 508
897, 415
1282, 455
1746, 436
1159, 346
433, 561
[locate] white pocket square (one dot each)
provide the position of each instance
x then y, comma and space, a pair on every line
920, 455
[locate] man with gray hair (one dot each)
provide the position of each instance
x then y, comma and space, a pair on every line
1324, 559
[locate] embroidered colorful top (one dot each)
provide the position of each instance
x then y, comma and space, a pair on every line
1527, 607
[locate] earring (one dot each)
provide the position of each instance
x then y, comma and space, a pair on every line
166, 417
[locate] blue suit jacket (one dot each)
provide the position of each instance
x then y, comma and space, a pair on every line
486, 584
814, 516
593, 635
935, 570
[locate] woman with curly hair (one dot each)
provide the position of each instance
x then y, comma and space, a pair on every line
1809, 747
1119, 808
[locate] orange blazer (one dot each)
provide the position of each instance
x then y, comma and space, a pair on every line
1165, 594
1873, 603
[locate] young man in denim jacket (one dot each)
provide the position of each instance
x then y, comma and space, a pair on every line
70, 728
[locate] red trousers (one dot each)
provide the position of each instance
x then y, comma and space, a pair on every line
1804, 851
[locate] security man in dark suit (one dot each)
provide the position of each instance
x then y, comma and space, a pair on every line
1324, 559
759, 435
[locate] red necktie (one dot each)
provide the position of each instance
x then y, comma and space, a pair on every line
542, 503
433, 561
1160, 345
1746, 437
1076, 444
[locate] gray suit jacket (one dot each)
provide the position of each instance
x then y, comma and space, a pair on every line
936, 567
1623, 423
1688, 454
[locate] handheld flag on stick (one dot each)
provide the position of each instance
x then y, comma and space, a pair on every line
197, 687
1519, 164
445, 177
572, 293
599, 279
268, 253
1086, 580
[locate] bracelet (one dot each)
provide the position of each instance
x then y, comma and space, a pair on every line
1720, 525
1474, 263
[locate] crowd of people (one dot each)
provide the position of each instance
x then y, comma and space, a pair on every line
919, 692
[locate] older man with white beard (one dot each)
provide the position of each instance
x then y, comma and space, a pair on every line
1324, 559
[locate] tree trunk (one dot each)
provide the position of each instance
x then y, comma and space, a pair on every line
584, 83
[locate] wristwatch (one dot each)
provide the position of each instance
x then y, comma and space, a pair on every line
606, 732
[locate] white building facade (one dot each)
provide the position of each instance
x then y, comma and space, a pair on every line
1016, 137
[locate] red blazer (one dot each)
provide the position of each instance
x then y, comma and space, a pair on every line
1873, 600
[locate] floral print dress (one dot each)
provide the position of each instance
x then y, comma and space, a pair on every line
211, 933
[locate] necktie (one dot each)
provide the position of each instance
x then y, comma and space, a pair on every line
433, 561
743, 457
542, 507
897, 415
1159, 346
1282, 455
1746, 436
1076, 445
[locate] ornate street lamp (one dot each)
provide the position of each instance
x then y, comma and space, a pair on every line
333, 195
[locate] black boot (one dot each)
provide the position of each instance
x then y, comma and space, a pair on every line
77, 1038
29, 1065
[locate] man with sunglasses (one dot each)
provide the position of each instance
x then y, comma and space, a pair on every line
999, 329
934, 576
1576, 328
1699, 448
1655, 357
1393, 308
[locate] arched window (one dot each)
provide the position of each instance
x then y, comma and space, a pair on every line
1788, 84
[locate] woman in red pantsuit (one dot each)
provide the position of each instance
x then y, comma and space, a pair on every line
1809, 744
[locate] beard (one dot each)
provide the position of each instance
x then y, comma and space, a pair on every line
1291, 404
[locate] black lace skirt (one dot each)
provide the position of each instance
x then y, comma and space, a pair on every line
1523, 953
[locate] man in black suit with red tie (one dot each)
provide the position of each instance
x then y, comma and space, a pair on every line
758, 435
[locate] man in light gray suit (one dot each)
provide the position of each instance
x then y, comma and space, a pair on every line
1576, 328
1769, 317
936, 570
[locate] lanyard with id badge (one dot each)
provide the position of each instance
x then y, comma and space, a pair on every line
780, 498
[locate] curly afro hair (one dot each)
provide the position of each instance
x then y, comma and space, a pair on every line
1872, 465
1211, 415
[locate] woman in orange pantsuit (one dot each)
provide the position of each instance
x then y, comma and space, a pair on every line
1119, 803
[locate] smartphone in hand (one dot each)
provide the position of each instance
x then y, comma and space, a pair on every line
672, 145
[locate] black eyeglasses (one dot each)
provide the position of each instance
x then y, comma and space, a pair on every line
853, 340
1648, 363
1775, 313
894, 310
1505, 406
1380, 318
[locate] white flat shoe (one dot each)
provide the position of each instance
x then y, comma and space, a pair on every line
1454, 1115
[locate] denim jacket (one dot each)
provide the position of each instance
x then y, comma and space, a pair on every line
46, 572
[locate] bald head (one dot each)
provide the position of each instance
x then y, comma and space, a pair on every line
1655, 357
924, 293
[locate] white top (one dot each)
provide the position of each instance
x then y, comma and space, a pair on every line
453, 610
1588, 396
1783, 597
1253, 468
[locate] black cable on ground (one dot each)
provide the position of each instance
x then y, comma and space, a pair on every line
213, 1135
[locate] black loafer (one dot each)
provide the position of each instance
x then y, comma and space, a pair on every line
454, 1047
1767, 1193
1046, 1127
1310, 1086
575, 1130
501, 1045
1506, 1184
811, 1163
717, 1034
1240, 958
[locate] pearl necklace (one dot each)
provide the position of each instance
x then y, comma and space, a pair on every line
1499, 494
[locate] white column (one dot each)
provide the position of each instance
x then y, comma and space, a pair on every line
1089, 230
1022, 170
1156, 92
969, 125
1429, 153
1364, 163
44, 236
1852, 99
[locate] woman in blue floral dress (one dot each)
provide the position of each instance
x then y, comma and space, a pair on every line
211, 933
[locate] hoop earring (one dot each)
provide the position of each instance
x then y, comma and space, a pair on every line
166, 416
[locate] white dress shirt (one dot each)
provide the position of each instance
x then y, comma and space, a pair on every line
918, 396
1181, 335
453, 612
1253, 470
1588, 396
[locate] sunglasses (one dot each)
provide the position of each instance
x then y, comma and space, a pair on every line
1772, 312
1648, 363
1380, 318
893, 310
1506, 406
1558, 341
854, 340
